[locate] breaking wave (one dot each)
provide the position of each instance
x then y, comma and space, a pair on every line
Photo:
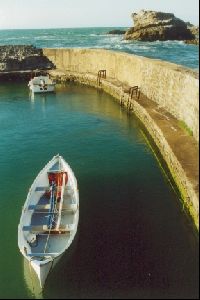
174, 51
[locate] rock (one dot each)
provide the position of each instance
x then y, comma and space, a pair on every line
192, 42
194, 29
116, 31
22, 58
152, 26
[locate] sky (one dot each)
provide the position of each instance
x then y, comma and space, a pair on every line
16, 14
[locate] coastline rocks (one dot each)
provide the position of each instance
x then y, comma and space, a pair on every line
192, 42
22, 58
152, 26
116, 31
194, 29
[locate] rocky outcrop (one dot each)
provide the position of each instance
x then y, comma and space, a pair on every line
192, 42
194, 29
22, 58
116, 31
152, 26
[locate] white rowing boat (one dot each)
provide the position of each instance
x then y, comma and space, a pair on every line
49, 219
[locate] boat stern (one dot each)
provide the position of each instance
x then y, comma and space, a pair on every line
42, 268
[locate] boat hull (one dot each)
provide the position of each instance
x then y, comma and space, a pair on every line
36, 273
38, 89
42, 269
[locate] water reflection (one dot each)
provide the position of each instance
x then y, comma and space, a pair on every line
31, 96
32, 281
41, 98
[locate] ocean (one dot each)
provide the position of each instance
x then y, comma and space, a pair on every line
173, 51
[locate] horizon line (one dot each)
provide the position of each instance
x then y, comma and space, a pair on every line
78, 27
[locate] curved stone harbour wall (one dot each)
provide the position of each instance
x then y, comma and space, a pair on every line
169, 93
172, 87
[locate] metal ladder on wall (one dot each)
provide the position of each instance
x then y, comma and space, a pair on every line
132, 91
101, 74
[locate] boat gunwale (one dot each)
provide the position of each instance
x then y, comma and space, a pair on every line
20, 226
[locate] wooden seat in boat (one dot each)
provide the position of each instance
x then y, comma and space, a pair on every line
42, 254
41, 188
44, 229
44, 208
39, 207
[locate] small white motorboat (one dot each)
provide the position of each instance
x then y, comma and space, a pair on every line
49, 219
42, 84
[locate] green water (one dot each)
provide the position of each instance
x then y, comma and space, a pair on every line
133, 240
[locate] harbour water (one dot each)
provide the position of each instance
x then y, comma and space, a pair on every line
173, 51
133, 240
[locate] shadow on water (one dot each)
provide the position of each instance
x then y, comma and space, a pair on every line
121, 253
